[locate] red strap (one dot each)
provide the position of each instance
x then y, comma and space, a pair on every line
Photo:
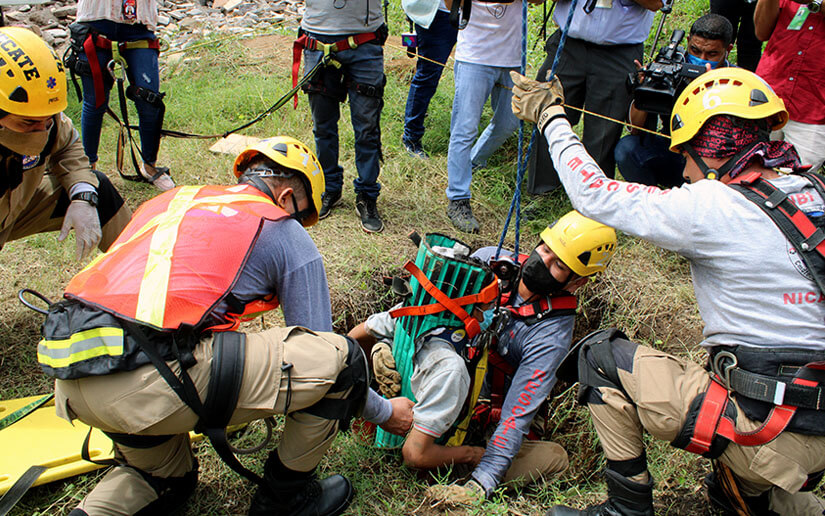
710, 411
711, 421
563, 302
297, 48
97, 73
499, 370
801, 221
470, 324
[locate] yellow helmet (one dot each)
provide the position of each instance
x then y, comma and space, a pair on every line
292, 155
723, 91
32, 79
583, 244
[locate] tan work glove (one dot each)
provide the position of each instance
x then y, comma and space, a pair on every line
537, 102
81, 216
470, 493
383, 366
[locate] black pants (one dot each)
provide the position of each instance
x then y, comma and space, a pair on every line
740, 15
594, 77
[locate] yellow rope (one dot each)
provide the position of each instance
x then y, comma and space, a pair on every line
620, 122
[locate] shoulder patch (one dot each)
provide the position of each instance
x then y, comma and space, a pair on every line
30, 162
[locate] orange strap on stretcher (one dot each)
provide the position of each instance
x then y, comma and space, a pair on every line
455, 306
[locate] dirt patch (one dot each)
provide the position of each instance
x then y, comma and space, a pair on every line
276, 47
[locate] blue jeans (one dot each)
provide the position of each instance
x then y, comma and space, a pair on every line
474, 83
362, 65
434, 43
142, 71
646, 159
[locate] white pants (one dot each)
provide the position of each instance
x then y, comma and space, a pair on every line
809, 140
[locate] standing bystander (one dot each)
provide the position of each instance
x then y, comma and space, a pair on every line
604, 39
792, 65
435, 42
488, 48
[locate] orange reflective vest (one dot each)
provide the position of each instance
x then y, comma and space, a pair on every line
179, 257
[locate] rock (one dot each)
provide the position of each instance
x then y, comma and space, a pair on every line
190, 23
178, 15
43, 18
230, 5
24, 8
57, 33
65, 12
163, 20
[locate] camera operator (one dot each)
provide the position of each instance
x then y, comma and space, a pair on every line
792, 65
646, 158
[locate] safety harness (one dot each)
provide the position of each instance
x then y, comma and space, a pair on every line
486, 362
305, 41
86, 41
803, 385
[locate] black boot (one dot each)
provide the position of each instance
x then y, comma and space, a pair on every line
293, 493
624, 498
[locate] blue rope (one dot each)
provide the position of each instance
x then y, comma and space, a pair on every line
522, 157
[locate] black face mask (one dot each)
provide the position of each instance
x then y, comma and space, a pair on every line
537, 277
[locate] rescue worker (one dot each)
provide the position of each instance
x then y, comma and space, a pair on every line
47, 184
759, 298
144, 346
532, 330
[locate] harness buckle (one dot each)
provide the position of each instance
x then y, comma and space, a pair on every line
723, 371
351, 42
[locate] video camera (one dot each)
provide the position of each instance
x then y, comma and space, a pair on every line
664, 79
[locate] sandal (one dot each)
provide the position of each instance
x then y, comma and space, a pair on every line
162, 180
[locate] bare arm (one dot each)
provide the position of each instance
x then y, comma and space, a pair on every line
421, 452
364, 338
764, 18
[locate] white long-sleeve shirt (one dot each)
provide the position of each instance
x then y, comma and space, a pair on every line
751, 286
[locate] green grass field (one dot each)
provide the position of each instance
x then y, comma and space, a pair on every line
646, 291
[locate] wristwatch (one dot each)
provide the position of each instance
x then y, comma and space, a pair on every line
89, 197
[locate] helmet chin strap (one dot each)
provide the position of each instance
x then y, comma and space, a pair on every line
717, 173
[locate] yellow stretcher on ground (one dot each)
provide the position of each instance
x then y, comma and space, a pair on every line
40, 438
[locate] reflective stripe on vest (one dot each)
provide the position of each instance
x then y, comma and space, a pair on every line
80, 346
178, 257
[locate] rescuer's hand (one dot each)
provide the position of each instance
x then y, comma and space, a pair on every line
470, 493
383, 366
537, 102
402, 417
81, 216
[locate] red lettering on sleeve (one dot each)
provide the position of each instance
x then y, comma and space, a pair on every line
574, 163
518, 410
525, 398
586, 175
632, 187
810, 297
538, 373
531, 387
612, 186
598, 183
789, 297
499, 441
508, 424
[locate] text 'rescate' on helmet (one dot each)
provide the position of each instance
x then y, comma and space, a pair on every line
584, 245
32, 79
292, 155
724, 91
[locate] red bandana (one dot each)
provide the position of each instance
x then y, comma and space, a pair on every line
723, 136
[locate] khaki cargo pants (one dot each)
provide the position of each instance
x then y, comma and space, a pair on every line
658, 390
140, 402
45, 211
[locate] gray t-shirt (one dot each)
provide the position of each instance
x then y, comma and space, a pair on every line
439, 382
750, 284
342, 17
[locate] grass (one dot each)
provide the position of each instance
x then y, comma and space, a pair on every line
646, 291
